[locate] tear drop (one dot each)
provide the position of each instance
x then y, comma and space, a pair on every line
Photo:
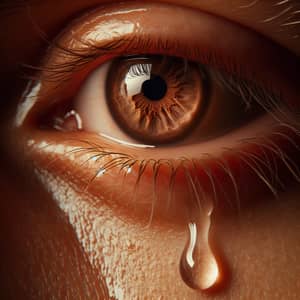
198, 266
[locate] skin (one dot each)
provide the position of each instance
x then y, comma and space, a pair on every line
50, 251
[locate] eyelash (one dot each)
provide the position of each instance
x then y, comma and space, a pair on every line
230, 73
249, 91
77, 59
265, 168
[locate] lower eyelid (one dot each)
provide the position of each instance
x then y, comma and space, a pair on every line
263, 163
55, 153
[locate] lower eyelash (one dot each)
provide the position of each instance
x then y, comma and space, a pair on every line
270, 165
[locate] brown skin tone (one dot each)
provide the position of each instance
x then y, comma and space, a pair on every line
43, 257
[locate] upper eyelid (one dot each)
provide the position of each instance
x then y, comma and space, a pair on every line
38, 28
50, 94
80, 55
286, 14
244, 12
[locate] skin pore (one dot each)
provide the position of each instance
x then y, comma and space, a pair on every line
68, 249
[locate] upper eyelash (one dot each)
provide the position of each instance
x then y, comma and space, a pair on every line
250, 92
81, 56
76, 59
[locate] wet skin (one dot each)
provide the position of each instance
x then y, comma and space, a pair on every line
70, 249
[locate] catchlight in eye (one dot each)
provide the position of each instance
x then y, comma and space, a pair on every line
157, 99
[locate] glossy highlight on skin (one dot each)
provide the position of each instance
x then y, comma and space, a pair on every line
198, 265
98, 178
221, 176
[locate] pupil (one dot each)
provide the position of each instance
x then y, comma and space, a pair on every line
155, 88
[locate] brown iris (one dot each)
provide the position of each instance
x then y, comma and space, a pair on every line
155, 99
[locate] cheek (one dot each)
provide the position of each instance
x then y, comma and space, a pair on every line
262, 246
41, 257
137, 261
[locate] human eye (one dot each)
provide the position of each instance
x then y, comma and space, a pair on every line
163, 126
